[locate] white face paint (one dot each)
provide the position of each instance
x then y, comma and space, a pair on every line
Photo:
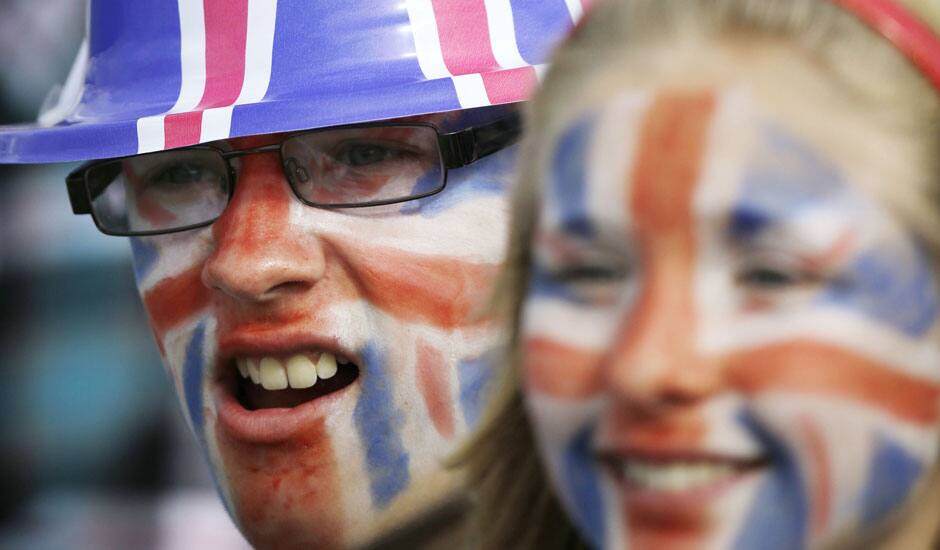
373, 307
728, 344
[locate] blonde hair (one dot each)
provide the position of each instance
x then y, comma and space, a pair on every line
515, 506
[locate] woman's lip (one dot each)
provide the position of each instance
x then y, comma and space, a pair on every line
269, 426
674, 481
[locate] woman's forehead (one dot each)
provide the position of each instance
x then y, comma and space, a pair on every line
710, 148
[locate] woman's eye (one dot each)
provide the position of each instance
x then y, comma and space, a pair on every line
590, 273
763, 278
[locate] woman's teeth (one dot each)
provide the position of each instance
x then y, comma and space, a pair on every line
675, 476
297, 371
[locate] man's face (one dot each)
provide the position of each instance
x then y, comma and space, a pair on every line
388, 294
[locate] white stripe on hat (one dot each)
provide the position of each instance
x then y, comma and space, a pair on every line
427, 43
503, 34
574, 9
470, 91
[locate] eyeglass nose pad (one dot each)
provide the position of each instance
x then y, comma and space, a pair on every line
295, 171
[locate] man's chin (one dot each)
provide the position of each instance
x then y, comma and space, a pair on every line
291, 494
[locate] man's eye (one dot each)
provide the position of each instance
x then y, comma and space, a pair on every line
366, 154
179, 174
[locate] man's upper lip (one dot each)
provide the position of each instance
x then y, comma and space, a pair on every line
233, 344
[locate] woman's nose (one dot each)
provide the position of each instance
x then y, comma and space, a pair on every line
259, 253
656, 360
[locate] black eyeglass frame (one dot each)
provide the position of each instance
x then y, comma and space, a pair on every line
457, 149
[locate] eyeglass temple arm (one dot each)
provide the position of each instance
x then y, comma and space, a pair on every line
469, 145
78, 196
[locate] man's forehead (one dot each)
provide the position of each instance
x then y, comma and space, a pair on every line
446, 122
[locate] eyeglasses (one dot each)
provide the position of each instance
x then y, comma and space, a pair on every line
341, 167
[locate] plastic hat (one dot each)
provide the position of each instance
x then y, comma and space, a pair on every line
159, 74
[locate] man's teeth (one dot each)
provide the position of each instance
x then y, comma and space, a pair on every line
298, 371
675, 476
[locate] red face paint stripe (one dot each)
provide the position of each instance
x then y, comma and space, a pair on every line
175, 299
816, 368
441, 291
275, 485
668, 159
560, 370
254, 219
508, 86
822, 476
432, 374
465, 36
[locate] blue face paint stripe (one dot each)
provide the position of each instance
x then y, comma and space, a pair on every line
378, 423
891, 479
784, 177
779, 514
473, 378
487, 176
193, 368
568, 176
579, 476
898, 290
145, 255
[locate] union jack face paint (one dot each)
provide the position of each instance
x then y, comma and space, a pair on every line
383, 298
728, 342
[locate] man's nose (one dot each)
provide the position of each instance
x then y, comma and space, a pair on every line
656, 361
259, 254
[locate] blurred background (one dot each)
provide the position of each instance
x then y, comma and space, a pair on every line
93, 449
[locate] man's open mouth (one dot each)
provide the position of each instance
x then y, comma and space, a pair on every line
286, 381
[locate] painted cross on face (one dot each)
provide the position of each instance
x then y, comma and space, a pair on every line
728, 344
328, 360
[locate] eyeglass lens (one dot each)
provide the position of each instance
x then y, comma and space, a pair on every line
357, 166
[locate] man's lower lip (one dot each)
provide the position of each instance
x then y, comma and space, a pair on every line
269, 426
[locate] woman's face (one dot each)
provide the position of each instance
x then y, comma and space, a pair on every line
381, 300
727, 342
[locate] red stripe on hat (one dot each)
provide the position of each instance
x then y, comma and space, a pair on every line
284, 493
181, 129
817, 368
510, 85
226, 34
465, 36
226, 27
432, 373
